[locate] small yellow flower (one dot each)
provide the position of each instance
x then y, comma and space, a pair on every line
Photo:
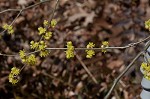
53, 23
147, 24
5, 26
9, 28
48, 35
41, 30
23, 60
13, 76
45, 23
15, 71
42, 45
44, 53
31, 59
10, 31
90, 52
146, 68
69, 44
144, 65
70, 50
34, 45
147, 75
22, 53
104, 45
90, 45
69, 54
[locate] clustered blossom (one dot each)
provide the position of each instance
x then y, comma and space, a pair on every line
53, 23
146, 68
70, 50
147, 24
41, 46
104, 45
9, 28
45, 23
44, 53
13, 76
90, 52
43, 30
30, 59
48, 35
22, 55
34, 45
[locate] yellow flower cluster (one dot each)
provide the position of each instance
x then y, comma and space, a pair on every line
43, 31
44, 53
34, 45
70, 50
9, 28
30, 60
22, 55
48, 35
146, 68
147, 24
104, 45
90, 52
53, 23
45, 23
13, 76
40, 46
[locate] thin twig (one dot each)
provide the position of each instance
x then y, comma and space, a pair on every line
23, 67
54, 11
124, 47
9, 55
136, 43
119, 77
74, 48
15, 55
15, 10
20, 11
86, 69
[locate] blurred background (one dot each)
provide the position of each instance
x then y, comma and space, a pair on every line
119, 22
